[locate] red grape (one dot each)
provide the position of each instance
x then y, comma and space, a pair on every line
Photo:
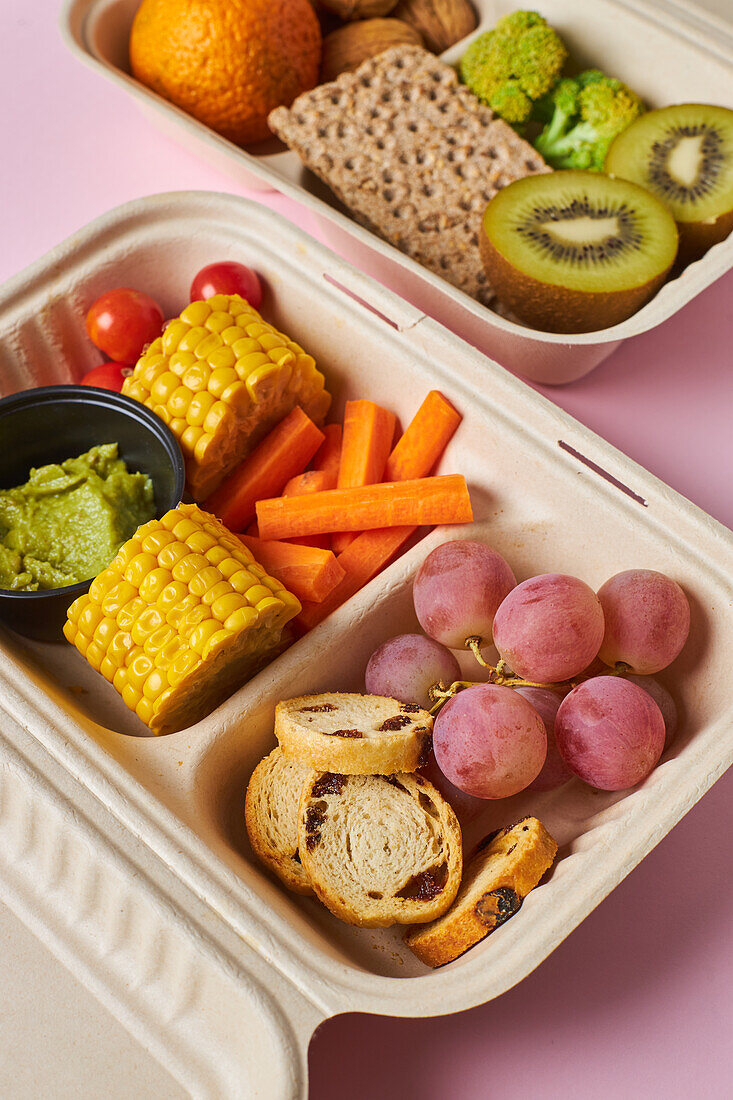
107, 376
406, 666
555, 771
610, 732
489, 741
549, 628
122, 322
227, 277
458, 589
664, 701
647, 620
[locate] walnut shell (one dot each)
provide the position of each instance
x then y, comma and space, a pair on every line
358, 9
442, 23
345, 49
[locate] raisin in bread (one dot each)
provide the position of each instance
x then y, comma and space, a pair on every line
354, 734
504, 868
271, 817
379, 850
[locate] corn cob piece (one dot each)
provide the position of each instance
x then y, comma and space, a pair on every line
221, 377
181, 617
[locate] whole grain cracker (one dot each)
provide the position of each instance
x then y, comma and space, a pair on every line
414, 156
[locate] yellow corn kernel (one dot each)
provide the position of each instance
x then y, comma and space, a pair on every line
196, 313
204, 580
199, 408
154, 541
218, 320
150, 621
127, 615
241, 619
188, 567
226, 605
208, 344
181, 363
131, 696
256, 593
156, 684
189, 439
163, 388
203, 633
145, 710
197, 377
172, 553
138, 568
156, 582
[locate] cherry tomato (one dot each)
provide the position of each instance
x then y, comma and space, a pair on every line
122, 322
227, 278
107, 376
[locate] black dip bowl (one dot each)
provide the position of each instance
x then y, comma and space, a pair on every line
54, 423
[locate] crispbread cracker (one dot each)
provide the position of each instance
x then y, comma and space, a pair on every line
413, 154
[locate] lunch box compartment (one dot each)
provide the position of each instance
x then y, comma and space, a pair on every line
547, 494
671, 54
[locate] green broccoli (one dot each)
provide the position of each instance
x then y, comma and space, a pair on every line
582, 116
514, 64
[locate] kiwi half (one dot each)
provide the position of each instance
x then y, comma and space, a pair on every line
576, 251
684, 154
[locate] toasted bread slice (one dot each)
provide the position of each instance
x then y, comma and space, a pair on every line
379, 850
354, 734
271, 817
504, 868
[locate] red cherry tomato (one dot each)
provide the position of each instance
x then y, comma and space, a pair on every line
227, 278
122, 322
107, 376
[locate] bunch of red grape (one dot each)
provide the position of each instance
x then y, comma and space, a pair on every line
573, 692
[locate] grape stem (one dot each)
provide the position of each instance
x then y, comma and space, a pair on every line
503, 676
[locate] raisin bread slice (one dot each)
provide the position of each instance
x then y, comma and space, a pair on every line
379, 850
354, 734
504, 868
271, 817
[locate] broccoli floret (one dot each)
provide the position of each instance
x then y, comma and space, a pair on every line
514, 64
582, 116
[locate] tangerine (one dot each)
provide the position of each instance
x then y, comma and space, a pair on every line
227, 62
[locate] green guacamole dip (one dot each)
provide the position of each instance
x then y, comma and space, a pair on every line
69, 520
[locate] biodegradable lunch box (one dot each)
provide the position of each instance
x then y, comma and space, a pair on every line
670, 52
128, 855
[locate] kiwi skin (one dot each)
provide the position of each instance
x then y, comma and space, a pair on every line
697, 237
557, 308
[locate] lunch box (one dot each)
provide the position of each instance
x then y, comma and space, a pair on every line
669, 52
127, 854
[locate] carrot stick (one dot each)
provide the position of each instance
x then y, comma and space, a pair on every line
428, 500
368, 434
312, 481
328, 455
424, 440
367, 555
306, 571
286, 451
371, 551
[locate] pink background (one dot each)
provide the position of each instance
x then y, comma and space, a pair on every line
639, 1000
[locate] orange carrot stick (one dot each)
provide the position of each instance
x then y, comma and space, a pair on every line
367, 555
425, 438
368, 434
371, 551
427, 500
286, 451
312, 481
328, 455
306, 571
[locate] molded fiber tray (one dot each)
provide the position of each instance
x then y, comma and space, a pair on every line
670, 51
128, 855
